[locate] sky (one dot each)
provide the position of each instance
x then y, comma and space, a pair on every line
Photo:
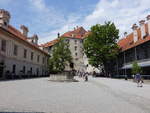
48, 17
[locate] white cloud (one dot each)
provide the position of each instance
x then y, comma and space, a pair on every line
123, 13
39, 4
72, 21
46, 15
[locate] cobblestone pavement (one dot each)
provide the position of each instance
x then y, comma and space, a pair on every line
98, 95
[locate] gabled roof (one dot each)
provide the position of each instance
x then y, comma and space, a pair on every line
77, 33
16, 32
128, 41
51, 43
10, 29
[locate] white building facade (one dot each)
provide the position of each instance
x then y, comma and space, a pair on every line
20, 55
75, 39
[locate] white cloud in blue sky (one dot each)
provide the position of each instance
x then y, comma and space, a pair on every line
48, 17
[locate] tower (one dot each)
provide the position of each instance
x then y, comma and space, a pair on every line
4, 18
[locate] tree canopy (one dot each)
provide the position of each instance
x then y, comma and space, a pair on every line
61, 56
101, 44
136, 68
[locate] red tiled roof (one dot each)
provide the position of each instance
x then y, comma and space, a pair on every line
19, 35
16, 32
78, 33
128, 42
51, 43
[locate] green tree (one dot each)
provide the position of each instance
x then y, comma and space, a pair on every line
136, 68
61, 56
100, 45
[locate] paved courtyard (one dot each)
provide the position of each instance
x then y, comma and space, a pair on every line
99, 95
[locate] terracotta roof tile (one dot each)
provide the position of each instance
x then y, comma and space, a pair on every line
78, 33
51, 43
19, 35
16, 32
128, 42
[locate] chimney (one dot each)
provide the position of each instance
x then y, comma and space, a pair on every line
142, 22
4, 18
135, 35
142, 28
24, 30
134, 27
148, 23
125, 34
148, 17
33, 39
58, 35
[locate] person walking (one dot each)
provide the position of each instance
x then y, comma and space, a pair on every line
86, 76
139, 80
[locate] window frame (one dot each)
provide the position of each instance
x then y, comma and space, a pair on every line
3, 45
15, 52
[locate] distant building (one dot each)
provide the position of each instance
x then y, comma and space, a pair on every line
134, 47
20, 55
75, 39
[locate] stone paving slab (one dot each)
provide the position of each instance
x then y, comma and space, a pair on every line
98, 95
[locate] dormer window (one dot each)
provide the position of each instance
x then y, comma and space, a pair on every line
5, 23
131, 43
4, 17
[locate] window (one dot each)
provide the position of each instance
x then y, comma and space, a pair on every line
76, 54
15, 50
38, 58
5, 23
76, 58
131, 42
3, 47
25, 53
43, 60
14, 69
24, 69
31, 55
31, 70
75, 48
67, 40
75, 41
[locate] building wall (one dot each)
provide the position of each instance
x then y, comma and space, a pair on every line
10, 59
80, 60
76, 48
